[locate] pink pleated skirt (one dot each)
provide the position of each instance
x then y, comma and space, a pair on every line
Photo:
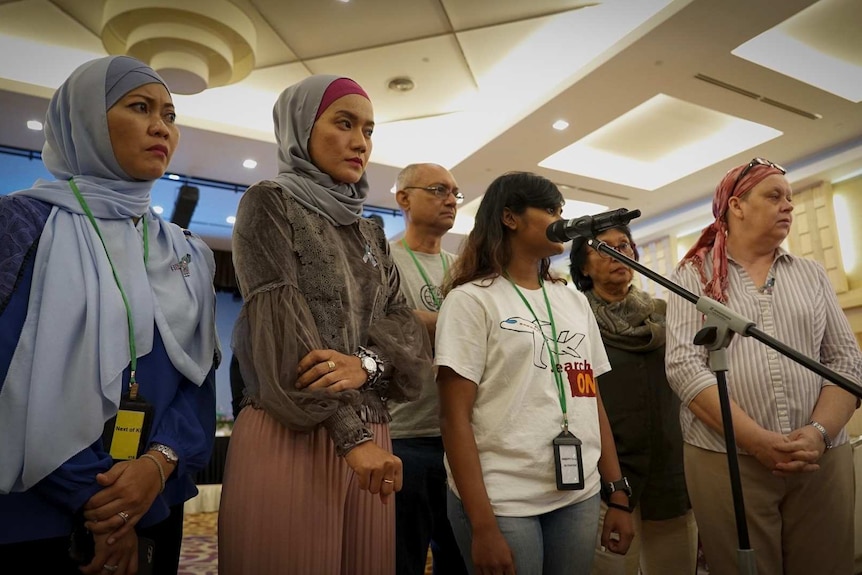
290, 506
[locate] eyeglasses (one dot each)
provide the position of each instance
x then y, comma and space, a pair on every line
624, 248
439, 190
756, 162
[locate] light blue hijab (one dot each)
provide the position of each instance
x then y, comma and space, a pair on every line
65, 378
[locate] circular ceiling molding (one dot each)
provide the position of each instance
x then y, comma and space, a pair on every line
202, 44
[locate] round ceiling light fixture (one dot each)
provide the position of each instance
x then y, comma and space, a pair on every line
401, 84
193, 45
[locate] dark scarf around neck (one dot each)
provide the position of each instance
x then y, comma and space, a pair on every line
636, 323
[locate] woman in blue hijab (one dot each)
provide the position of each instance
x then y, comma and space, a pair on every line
107, 338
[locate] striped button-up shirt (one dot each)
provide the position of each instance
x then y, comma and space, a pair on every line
798, 307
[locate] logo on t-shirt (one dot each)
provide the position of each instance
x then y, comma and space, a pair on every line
567, 342
427, 295
581, 380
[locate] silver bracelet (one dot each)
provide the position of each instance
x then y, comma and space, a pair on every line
158, 466
826, 439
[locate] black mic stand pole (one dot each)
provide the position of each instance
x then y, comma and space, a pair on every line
721, 323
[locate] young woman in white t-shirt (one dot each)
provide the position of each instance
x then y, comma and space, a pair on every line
526, 436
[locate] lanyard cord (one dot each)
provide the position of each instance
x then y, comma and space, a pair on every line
133, 384
558, 377
419, 267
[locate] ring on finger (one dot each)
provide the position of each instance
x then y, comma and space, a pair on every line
388, 480
331, 364
125, 517
110, 568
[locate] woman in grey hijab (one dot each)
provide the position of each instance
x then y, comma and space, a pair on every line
324, 339
107, 402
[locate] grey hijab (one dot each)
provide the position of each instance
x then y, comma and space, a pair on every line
65, 377
293, 114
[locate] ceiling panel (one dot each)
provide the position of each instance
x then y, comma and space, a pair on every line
831, 27
481, 13
55, 27
88, 13
435, 65
315, 28
271, 49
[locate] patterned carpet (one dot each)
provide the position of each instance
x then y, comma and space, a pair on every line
199, 553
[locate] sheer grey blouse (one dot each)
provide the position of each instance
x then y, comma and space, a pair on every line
306, 285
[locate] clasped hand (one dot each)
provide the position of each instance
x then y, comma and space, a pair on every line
797, 452
330, 370
129, 489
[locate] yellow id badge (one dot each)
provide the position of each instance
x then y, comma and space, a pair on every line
125, 435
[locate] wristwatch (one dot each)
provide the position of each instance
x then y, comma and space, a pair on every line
169, 453
620, 485
372, 365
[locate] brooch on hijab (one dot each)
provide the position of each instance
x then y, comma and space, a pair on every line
369, 257
183, 265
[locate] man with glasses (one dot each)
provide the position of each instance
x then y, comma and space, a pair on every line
795, 461
428, 196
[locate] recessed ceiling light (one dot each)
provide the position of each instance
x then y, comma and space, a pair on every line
560, 125
401, 84
230, 219
158, 209
173, 177
250, 164
34, 125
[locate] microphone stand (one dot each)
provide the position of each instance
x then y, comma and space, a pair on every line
721, 323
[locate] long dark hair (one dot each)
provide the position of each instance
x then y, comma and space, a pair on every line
487, 251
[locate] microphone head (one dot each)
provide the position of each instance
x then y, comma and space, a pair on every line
556, 232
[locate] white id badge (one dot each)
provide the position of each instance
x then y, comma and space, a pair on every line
568, 462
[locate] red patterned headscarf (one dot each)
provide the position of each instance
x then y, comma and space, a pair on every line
714, 236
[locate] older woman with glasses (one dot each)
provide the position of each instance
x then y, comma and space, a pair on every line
795, 460
643, 412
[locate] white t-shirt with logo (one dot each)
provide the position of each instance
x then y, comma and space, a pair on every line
489, 336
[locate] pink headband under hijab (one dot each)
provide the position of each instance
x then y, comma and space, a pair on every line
714, 236
338, 89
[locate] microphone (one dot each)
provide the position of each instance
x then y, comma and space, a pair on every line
590, 226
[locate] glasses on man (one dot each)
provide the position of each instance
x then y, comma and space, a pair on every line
625, 248
439, 190
757, 162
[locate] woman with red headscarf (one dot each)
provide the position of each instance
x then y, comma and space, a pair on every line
795, 460
324, 339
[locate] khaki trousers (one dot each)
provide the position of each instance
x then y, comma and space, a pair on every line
797, 525
659, 548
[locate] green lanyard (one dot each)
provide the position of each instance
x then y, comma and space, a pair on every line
561, 394
419, 267
133, 384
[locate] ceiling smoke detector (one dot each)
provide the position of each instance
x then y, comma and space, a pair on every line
401, 84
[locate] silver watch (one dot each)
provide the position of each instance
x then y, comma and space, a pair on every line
372, 365
169, 453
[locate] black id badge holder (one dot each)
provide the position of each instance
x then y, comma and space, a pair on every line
568, 461
125, 435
